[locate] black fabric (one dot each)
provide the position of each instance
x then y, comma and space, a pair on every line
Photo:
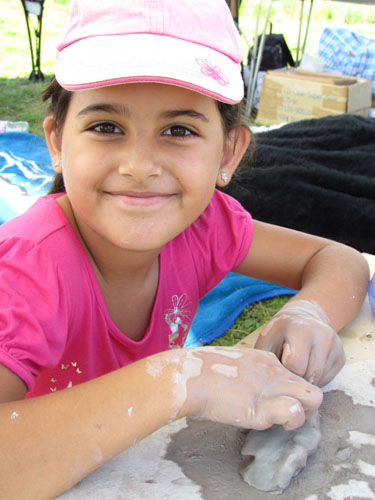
276, 53
316, 176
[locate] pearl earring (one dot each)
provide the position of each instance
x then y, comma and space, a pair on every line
224, 177
57, 163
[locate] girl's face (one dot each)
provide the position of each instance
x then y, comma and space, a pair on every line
140, 161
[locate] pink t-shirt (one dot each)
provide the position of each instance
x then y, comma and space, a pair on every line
55, 329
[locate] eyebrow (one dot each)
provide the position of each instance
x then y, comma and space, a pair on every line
122, 110
185, 112
103, 107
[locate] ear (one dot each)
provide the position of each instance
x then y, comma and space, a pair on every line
235, 146
53, 143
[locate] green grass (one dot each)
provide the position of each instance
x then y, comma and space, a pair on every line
252, 317
15, 60
20, 101
19, 98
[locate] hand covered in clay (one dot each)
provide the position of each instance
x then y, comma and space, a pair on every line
300, 336
246, 388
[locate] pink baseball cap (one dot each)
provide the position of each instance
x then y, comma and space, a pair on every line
189, 43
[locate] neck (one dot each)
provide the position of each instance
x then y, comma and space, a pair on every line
110, 263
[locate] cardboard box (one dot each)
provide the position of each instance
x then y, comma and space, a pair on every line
291, 94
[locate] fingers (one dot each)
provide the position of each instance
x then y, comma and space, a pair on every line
296, 355
313, 351
335, 361
249, 388
292, 349
281, 410
270, 342
297, 388
286, 400
316, 365
324, 360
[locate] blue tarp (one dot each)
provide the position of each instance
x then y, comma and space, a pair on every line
25, 172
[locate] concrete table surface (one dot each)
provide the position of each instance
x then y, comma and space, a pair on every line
192, 460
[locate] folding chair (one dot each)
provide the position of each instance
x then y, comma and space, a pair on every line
34, 9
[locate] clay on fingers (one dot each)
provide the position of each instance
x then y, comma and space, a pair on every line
247, 388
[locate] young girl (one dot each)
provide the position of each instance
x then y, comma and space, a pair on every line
101, 279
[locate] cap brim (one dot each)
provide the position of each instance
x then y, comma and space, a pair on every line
110, 60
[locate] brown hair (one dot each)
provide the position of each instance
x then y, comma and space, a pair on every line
59, 100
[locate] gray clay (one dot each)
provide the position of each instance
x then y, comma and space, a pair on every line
274, 456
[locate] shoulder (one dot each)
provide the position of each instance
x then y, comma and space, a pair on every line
224, 219
224, 207
43, 225
43, 218
41, 244
214, 244
26, 268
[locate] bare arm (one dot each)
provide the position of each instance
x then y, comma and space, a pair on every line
332, 280
54, 441
12, 388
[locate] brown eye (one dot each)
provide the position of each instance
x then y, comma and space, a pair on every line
106, 128
178, 131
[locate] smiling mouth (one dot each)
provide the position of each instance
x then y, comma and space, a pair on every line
141, 199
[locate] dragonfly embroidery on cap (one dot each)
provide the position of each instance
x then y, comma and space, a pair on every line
215, 72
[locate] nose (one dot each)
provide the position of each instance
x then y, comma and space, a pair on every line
140, 159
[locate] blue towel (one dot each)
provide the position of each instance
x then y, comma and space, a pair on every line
218, 310
25, 172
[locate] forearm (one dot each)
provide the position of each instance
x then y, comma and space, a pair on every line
50, 443
329, 273
54, 441
336, 278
